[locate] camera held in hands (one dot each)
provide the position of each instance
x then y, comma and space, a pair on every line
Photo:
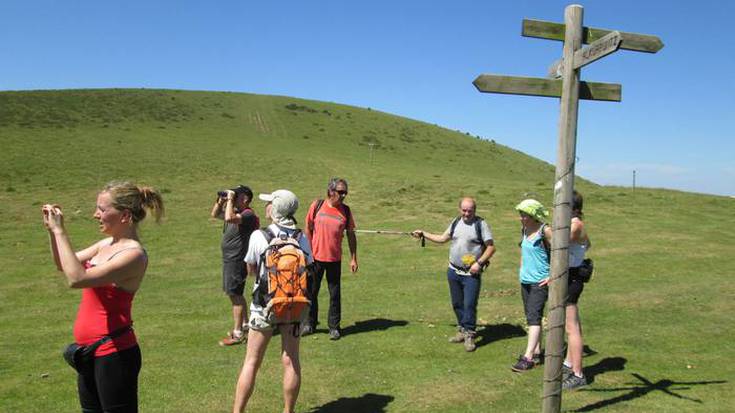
222, 194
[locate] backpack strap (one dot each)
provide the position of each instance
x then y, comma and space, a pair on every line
545, 242
348, 214
478, 230
268, 234
316, 209
453, 227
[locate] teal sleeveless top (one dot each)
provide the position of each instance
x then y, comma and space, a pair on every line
534, 259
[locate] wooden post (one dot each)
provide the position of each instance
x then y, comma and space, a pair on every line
564, 184
569, 89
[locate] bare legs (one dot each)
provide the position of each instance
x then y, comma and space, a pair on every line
291, 368
534, 340
238, 311
574, 339
257, 344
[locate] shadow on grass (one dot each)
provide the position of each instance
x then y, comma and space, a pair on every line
497, 332
367, 403
644, 386
603, 366
375, 324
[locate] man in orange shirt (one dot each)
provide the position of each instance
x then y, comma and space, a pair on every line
326, 222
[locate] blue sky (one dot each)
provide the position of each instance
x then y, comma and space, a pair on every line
415, 59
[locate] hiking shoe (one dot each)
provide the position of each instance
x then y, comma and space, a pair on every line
469, 342
232, 339
565, 372
334, 334
522, 365
306, 329
458, 338
573, 382
538, 359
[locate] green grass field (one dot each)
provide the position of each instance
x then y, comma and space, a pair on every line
657, 315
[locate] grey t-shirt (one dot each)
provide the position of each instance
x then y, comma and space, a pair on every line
465, 249
235, 237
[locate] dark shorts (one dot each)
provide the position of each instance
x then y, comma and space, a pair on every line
233, 277
534, 299
575, 288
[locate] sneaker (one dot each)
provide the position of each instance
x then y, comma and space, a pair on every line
458, 338
565, 372
538, 359
232, 339
573, 382
334, 334
306, 329
469, 342
522, 365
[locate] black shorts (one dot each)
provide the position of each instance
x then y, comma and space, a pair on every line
574, 290
233, 277
534, 299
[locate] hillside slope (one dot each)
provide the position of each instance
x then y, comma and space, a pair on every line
658, 306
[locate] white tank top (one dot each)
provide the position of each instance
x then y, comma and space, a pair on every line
576, 253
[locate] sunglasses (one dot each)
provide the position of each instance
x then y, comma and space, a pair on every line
342, 193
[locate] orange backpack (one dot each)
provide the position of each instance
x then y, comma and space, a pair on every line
285, 298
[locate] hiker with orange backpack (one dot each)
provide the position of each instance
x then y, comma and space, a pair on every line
326, 223
470, 252
277, 256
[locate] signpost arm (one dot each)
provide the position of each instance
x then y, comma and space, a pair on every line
564, 184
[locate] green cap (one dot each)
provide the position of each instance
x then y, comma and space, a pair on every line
534, 209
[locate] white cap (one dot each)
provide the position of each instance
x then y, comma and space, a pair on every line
284, 205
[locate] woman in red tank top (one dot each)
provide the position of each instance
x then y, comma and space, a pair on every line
109, 272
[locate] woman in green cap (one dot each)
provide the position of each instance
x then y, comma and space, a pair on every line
534, 276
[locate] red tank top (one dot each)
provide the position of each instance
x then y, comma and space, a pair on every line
102, 311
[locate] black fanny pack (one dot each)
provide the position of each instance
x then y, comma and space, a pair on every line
81, 358
583, 272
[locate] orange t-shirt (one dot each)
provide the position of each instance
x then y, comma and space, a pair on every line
328, 228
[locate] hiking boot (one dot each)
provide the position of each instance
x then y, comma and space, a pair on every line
469, 342
458, 338
522, 365
573, 382
306, 329
334, 334
232, 339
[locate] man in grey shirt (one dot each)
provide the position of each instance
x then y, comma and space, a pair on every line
469, 254
239, 222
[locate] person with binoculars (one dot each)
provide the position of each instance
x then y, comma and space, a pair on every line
233, 207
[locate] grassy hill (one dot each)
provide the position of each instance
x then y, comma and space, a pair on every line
659, 308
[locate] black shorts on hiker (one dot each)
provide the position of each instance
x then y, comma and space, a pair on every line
534, 299
233, 277
574, 290
112, 384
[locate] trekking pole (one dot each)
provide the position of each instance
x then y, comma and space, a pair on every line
388, 232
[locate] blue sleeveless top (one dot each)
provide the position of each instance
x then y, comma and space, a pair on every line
534, 259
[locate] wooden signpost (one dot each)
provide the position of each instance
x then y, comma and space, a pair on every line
565, 84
